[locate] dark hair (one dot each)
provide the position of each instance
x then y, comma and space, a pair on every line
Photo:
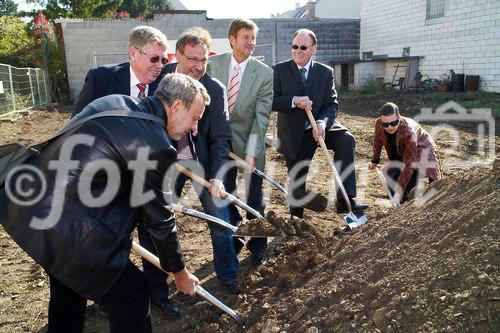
193, 36
388, 109
240, 23
308, 32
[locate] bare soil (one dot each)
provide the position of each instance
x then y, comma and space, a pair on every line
427, 266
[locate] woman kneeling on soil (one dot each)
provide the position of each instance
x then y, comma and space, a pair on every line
411, 151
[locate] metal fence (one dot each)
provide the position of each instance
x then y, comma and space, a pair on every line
22, 89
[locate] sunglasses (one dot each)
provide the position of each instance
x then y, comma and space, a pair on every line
302, 47
154, 59
392, 123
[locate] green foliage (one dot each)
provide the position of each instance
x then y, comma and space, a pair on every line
7, 7
138, 8
16, 43
55, 9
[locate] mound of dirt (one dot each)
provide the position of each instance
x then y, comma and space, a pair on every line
274, 226
431, 267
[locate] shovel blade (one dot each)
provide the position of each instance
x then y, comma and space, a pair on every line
353, 220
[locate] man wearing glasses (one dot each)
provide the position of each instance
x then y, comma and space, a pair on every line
411, 151
204, 152
147, 56
139, 77
300, 84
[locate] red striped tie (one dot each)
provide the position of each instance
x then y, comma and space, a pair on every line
142, 90
234, 86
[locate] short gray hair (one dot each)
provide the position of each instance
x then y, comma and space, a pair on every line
179, 86
143, 35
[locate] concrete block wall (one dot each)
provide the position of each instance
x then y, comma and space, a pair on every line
466, 39
367, 71
338, 39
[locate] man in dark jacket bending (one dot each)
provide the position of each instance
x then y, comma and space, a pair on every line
98, 180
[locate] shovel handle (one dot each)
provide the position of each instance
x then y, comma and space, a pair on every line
338, 181
182, 169
258, 172
198, 289
238, 159
231, 198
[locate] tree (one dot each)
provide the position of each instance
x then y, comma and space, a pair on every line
16, 43
7, 7
138, 8
55, 9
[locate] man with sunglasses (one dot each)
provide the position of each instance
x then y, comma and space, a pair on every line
137, 78
411, 151
300, 84
204, 152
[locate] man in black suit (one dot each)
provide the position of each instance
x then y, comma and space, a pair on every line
300, 84
137, 78
204, 153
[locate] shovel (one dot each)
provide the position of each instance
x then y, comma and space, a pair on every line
353, 220
258, 172
229, 197
317, 202
198, 289
213, 219
385, 185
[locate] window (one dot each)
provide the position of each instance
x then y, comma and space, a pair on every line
435, 9
367, 55
406, 52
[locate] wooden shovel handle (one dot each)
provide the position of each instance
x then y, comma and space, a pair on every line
238, 159
205, 183
338, 181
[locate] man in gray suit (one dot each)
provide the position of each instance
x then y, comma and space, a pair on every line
250, 97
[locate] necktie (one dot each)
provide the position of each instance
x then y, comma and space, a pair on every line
303, 72
234, 86
142, 90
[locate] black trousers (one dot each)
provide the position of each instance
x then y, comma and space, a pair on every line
393, 173
127, 303
343, 145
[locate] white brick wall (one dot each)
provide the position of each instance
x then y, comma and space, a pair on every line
466, 39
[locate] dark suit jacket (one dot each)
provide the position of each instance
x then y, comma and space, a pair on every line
106, 80
86, 248
291, 121
213, 141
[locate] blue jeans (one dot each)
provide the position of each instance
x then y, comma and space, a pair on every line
255, 199
225, 259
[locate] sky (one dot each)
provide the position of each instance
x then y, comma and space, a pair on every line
247, 8
229, 8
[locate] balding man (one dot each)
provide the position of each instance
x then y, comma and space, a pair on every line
299, 84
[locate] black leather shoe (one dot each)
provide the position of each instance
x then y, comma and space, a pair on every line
258, 259
355, 206
233, 286
169, 309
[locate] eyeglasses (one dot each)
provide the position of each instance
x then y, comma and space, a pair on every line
302, 47
392, 123
195, 61
155, 58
